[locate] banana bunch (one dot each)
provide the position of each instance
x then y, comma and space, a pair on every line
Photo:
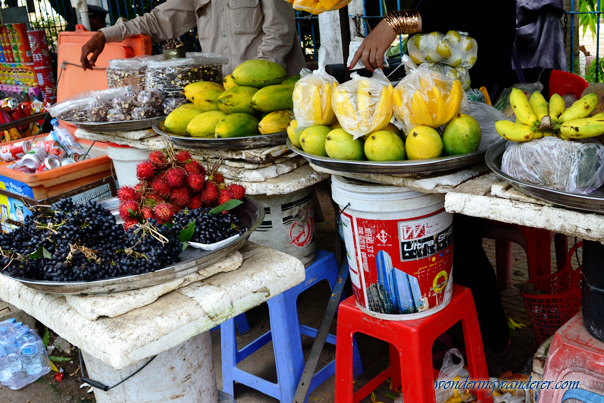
362, 105
312, 101
438, 110
536, 119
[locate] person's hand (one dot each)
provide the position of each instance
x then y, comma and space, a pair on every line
95, 45
371, 52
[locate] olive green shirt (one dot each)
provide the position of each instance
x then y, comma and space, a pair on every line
238, 29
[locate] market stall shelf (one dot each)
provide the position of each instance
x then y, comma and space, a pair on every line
125, 126
251, 215
234, 143
405, 167
593, 202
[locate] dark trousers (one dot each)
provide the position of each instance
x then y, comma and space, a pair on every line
472, 269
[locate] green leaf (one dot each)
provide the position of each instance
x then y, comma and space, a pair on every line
40, 252
184, 245
187, 232
54, 358
46, 338
169, 225
231, 204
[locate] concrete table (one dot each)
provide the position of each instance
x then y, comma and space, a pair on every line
175, 329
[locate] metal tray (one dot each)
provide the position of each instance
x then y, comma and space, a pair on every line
405, 167
235, 143
125, 126
251, 215
593, 202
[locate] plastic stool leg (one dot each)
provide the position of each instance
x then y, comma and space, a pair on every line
416, 371
504, 264
395, 368
343, 387
477, 365
583, 395
243, 326
228, 345
287, 344
561, 245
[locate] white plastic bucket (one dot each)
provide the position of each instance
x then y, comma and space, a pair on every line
399, 245
289, 224
125, 159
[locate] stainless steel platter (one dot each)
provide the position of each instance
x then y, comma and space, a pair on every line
251, 215
405, 167
235, 143
593, 202
125, 126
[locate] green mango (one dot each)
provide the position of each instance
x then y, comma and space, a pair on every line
313, 140
237, 125
342, 146
204, 124
178, 120
258, 73
274, 98
237, 100
291, 80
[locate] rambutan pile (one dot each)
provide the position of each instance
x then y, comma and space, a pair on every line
171, 181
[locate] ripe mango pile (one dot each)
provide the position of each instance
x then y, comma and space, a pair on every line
536, 119
256, 99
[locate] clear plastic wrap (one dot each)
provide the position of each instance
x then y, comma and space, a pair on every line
97, 110
124, 72
312, 96
570, 166
151, 98
75, 108
318, 6
210, 65
503, 101
448, 372
144, 112
426, 98
172, 103
456, 73
454, 49
125, 102
363, 105
117, 115
486, 116
173, 75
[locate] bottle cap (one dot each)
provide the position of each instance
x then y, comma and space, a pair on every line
53, 121
28, 350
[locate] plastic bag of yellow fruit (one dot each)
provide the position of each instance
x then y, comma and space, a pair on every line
456, 73
312, 96
318, 6
363, 105
454, 49
426, 98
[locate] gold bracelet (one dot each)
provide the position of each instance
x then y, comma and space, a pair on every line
403, 21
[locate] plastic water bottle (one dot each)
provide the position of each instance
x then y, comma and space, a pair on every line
64, 137
4, 340
31, 361
10, 365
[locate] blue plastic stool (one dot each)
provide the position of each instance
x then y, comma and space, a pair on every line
583, 395
243, 326
285, 333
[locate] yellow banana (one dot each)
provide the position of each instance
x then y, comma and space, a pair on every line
583, 128
556, 107
538, 134
420, 109
453, 101
514, 131
598, 116
580, 109
539, 105
522, 109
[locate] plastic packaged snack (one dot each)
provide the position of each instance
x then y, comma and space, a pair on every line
144, 112
569, 166
117, 115
75, 108
210, 65
426, 98
363, 105
172, 103
312, 96
152, 98
125, 102
173, 75
454, 49
124, 72
97, 110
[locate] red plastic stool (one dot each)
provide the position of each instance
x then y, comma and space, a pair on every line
575, 355
410, 348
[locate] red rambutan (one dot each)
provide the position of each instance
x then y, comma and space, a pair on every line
210, 194
181, 196
127, 207
224, 196
145, 170
217, 177
196, 182
161, 187
127, 193
194, 167
153, 199
237, 190
163, 212
130, 222
175, 177
196, 202
183, 156
147, 213
158, 157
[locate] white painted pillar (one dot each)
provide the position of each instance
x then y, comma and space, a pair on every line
331, 38
357, 25
183, 374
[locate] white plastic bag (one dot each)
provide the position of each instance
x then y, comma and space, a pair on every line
454, 49
448, 372
356, 44
312, 96
363, 105
486, 116
570, 166
509, 398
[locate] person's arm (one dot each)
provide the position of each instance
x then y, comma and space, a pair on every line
279, 31
166, 21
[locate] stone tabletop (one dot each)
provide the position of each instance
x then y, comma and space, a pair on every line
173, 318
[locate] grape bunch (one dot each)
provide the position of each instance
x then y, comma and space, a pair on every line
70, 242
209, 228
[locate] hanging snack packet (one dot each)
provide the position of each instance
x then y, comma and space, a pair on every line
312, 96
363, 105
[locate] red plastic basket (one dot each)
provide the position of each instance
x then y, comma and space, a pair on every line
561, 300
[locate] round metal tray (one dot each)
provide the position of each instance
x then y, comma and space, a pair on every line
125, 126
251, 215
404, 167
235, 143
593, 202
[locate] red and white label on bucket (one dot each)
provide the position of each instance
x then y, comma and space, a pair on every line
400, 266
